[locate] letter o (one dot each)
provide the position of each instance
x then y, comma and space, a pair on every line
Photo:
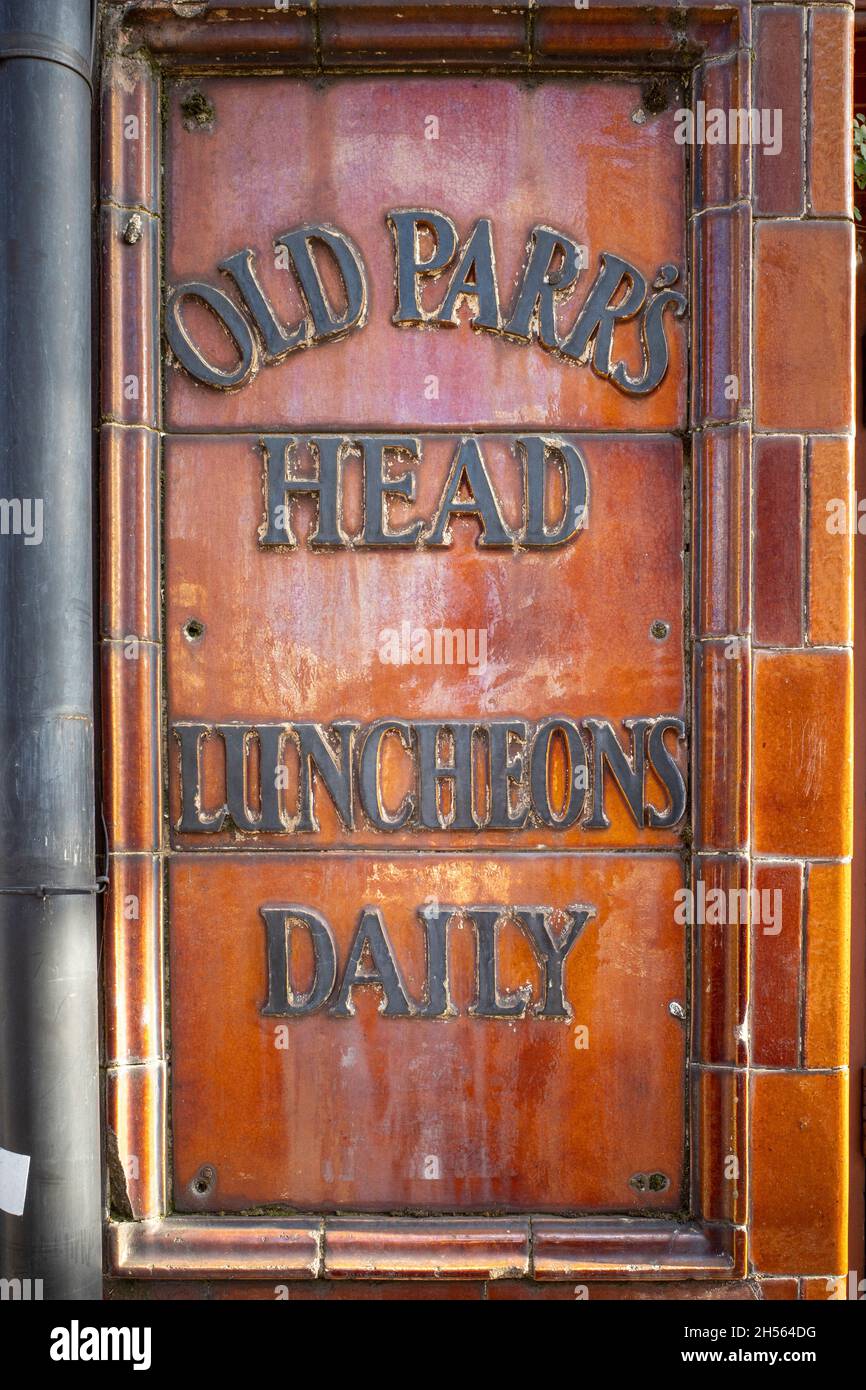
232, 321
539, 781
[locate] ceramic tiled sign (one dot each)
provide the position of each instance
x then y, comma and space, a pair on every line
457, 653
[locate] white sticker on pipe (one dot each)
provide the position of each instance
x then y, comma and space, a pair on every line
14, 1171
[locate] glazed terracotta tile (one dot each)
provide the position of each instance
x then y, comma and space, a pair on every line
259, 33
831, 541
721, 530
803, 297
780, 36
177, 1249
779, 494
831, 39
223, 195
130, 135
129, 482
131, 764
799, 1139
564, 32
787, 1290
719, 1124
474, 34
135, 1100
823, 1290
278, 661
720, 170
358, 1248
289, 1110
132, 959
721, 753
777, 964
828, 919
365, 1036
832, 1290
720, 934
160, 12
580, 1251
802, 797
735, 1242
129, 358
721, 298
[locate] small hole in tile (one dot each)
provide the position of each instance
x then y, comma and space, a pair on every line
203, 1180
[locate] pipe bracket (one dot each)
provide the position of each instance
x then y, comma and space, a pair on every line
22, 44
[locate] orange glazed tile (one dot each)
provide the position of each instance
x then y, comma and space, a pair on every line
721, 529
472, 33
132, 960
719, 1120
596, 648
721, 961
129, 462
251, 1247
183, 27
720, 172
131, 760
581, 1250
831, 544
135, 1100
776, 965
779, 1289
721, 752
803, 277
778, 564
778, 86
563, 32
395, 1248
799, 1127
129, 355
374, 127
828, 118
721, 310
290, 1110
802, 741
130, 134
832, 1290
827, 949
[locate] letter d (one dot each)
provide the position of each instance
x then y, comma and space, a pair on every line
326, 323
282, 1000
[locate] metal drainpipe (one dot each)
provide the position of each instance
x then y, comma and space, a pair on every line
50, 1167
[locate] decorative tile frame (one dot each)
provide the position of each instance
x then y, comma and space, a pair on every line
711, 44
